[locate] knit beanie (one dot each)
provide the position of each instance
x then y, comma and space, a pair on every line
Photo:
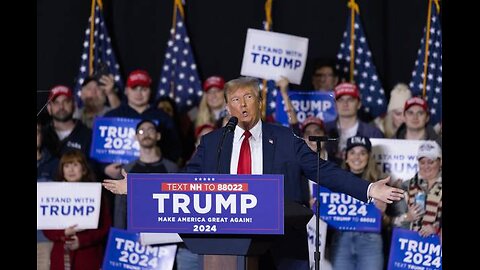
399, 94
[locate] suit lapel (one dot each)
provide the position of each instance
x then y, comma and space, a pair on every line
269, 142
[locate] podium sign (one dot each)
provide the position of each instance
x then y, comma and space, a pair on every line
205, 203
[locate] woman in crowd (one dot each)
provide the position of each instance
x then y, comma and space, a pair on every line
73, 248
352, 249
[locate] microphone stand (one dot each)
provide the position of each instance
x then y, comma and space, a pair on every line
229, 127
318, 140
219, 148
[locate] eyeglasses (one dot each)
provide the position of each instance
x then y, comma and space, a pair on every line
150, 130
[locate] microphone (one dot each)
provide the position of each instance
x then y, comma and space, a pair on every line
229, 127
321, 139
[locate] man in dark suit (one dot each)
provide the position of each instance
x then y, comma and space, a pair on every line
275, 149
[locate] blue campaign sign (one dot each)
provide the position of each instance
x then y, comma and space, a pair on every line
311, 103
201, 203
114, 140
409, 250
124, 251
346, 213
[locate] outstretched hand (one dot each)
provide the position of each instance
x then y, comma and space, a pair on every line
380, 191
117, 186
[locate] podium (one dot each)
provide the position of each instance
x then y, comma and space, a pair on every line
238, 252
231, 220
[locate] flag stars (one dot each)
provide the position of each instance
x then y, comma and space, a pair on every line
83, 69
166, 68
364, 74
177, 36
189, 102
179, 87
179, 24
371, 88
175, 49
183, 63
170, 43
193, 66
181, 75
186, 40
117, 78
162, 92
84, 56
361, 85
272, 104
190, 90
185, 51
191, 78
379, 101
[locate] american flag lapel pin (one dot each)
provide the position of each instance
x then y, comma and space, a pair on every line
270, 141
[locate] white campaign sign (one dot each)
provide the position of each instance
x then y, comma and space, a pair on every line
397, 158
269, 55
63, 204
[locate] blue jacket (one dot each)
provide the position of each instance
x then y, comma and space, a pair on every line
283, 153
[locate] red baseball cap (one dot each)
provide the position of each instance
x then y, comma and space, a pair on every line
212, 81
415, 101
139, 78
346, 89
60, 90
312, 120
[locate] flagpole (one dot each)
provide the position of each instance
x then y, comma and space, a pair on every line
354, 8
176, 4
427, 45
268, 23
92, 32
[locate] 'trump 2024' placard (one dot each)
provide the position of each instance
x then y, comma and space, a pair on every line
200, 203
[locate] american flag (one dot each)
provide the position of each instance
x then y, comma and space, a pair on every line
102, 53
272, 91
179, 78
433, 86
364, 72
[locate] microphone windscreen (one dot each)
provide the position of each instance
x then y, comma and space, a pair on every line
232, 122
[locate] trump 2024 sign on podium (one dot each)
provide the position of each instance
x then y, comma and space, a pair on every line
201, 203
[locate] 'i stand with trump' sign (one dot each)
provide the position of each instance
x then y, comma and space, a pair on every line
269, 55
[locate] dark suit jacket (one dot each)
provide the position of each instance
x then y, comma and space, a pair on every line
283, 153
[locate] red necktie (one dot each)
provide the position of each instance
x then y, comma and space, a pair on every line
245, 159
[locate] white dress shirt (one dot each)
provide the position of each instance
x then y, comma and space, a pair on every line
255, 148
